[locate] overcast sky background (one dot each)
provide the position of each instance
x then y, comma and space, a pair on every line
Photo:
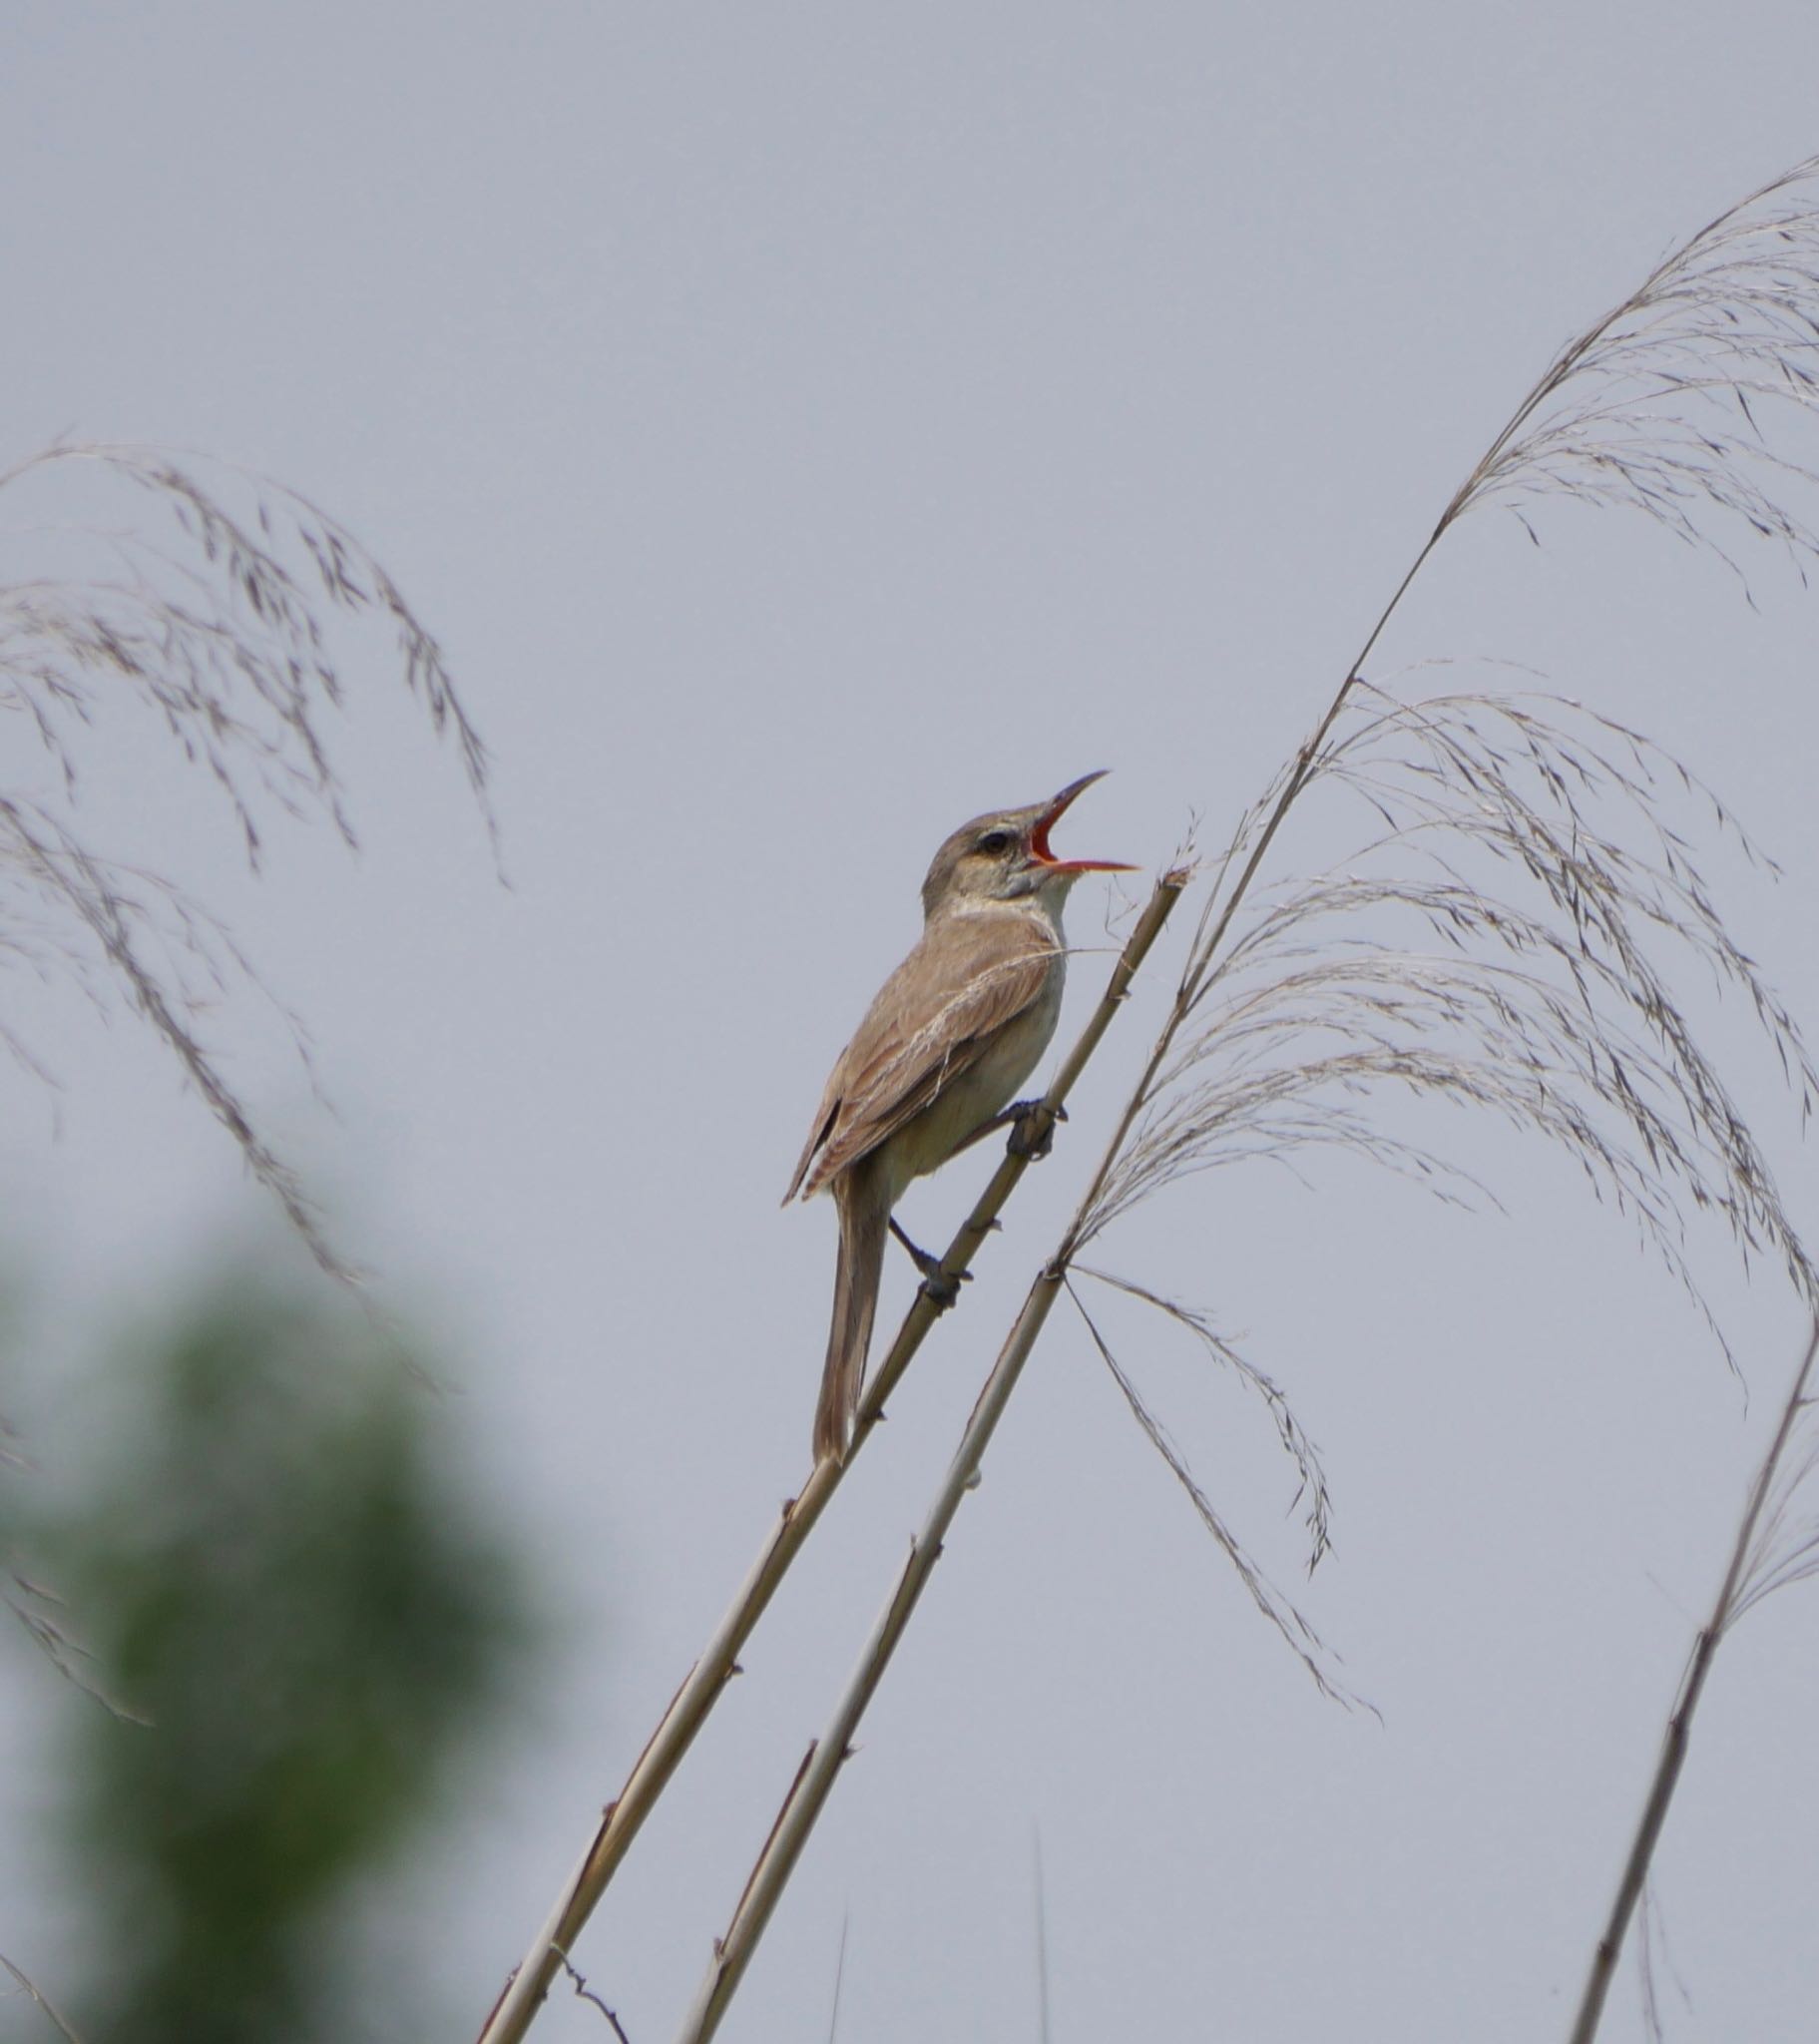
805, 427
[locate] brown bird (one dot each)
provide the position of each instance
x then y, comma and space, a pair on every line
952, 1035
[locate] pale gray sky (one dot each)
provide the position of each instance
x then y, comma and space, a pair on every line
806, 426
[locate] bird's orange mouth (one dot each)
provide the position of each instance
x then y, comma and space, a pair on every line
1039, 837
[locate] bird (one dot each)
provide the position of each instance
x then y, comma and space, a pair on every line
952, 1035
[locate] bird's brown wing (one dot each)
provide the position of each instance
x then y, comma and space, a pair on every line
932, 1021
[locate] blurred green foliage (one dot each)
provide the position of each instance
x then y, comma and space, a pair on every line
274, 1561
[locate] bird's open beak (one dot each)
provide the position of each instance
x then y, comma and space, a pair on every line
1039, 837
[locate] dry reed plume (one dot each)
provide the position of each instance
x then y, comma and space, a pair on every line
220, 625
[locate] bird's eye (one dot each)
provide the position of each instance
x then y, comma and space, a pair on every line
994, 841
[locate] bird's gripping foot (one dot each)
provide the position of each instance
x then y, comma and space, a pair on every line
940, 1287
1032, 1125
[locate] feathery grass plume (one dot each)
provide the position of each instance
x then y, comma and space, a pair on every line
1509, 937
217, 624
1773, 1548
1660, 407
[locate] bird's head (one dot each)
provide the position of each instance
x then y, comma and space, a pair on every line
1004, 856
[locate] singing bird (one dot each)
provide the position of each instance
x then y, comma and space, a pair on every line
954, 1032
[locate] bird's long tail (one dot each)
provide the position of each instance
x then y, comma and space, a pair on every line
862, 1201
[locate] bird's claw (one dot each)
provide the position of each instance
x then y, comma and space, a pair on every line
942, 1288
1032, 1127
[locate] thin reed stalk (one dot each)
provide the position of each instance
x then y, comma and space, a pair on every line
825, 1758
717, 1664
1756, 1567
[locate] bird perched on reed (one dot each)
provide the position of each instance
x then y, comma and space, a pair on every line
952, 1033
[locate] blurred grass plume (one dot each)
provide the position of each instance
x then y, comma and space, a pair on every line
217, 618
